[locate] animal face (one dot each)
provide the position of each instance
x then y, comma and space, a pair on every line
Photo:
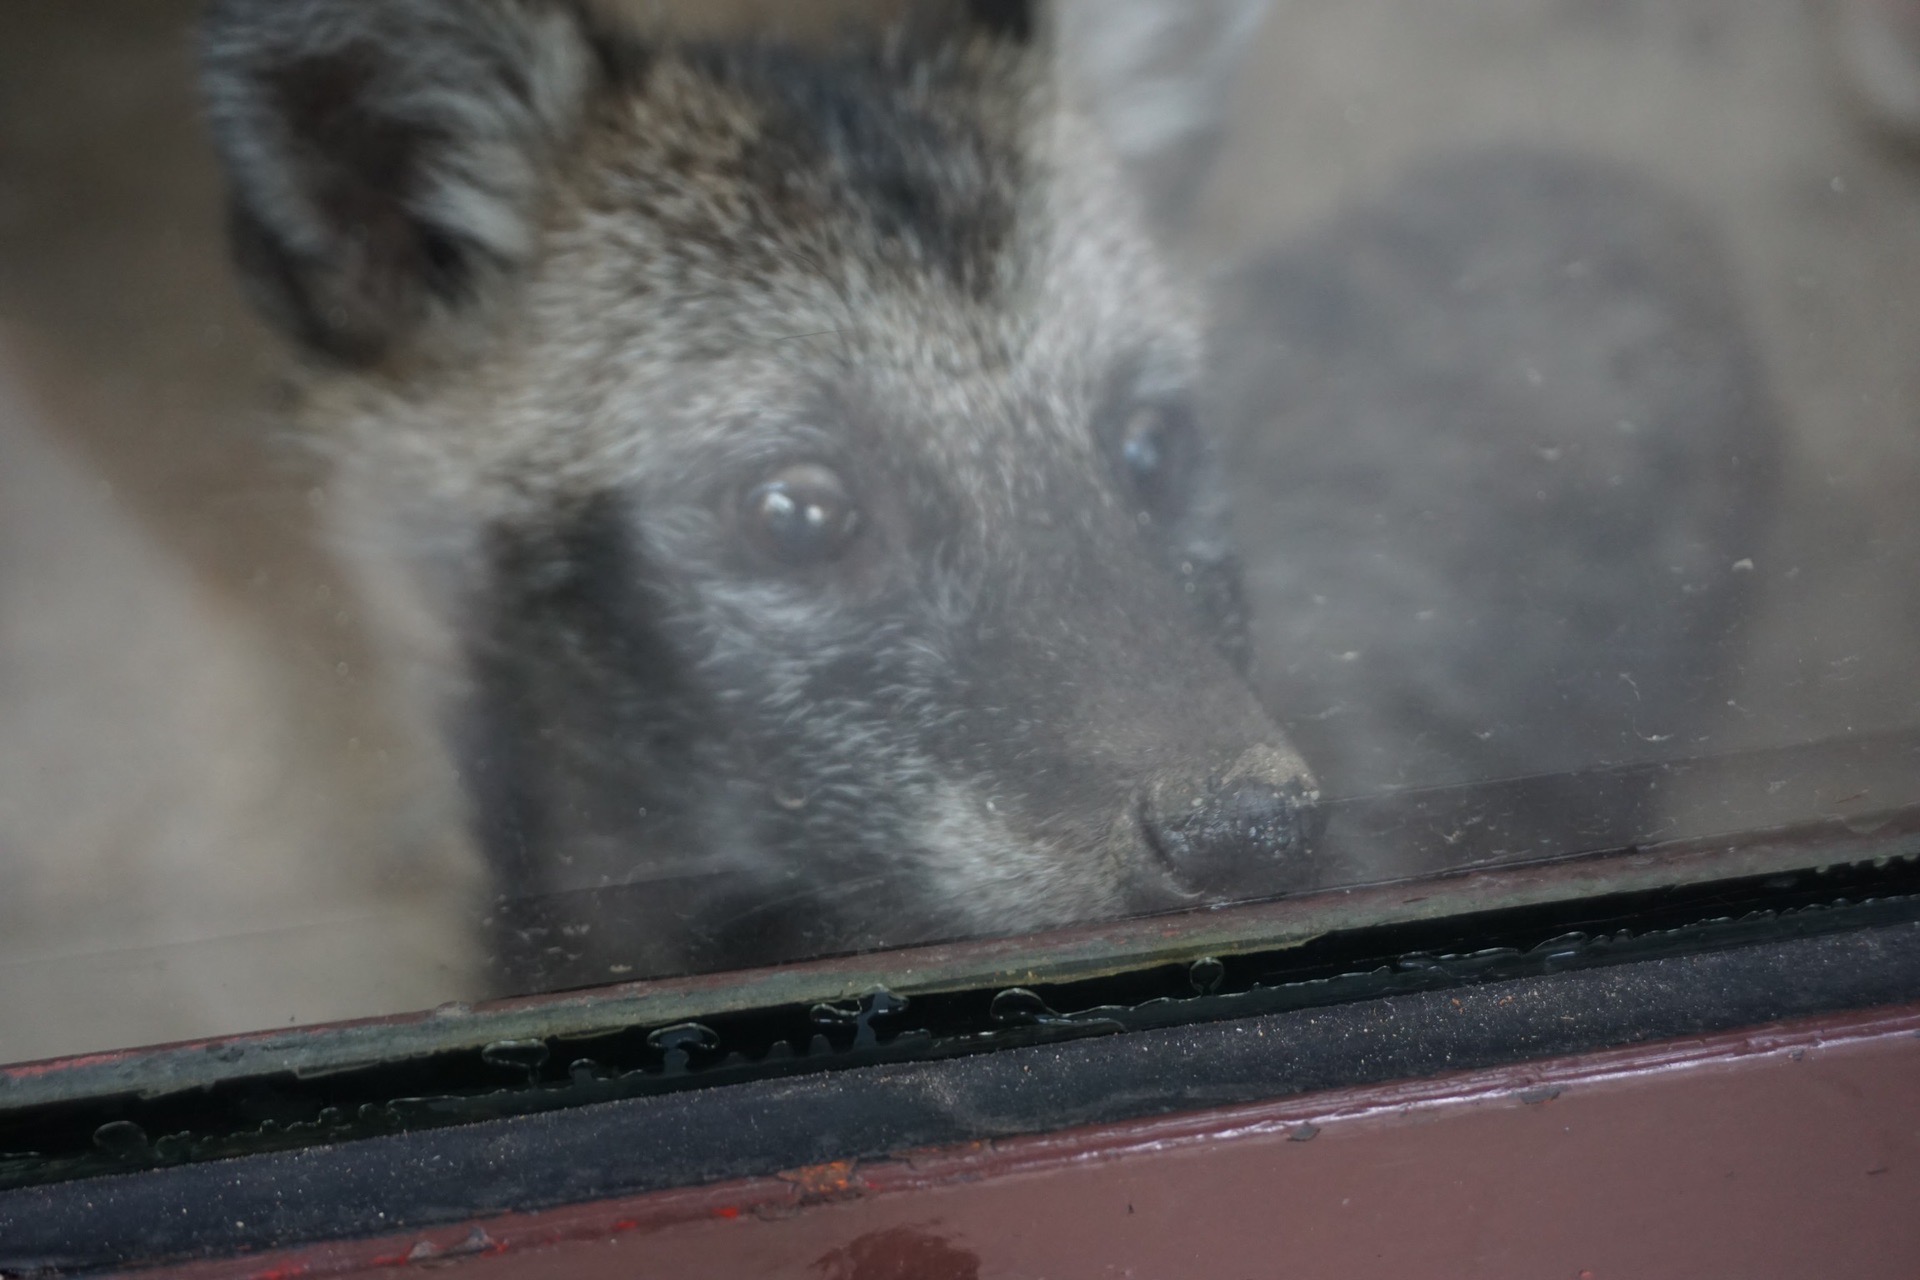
800, 452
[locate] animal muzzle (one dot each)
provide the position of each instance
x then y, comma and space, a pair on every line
1239, 833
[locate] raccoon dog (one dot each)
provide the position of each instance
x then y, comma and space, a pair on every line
797, 451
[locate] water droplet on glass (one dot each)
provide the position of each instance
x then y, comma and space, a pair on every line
835, 1013
1206, 974
1558, 953
859, 1014
121, 1138
1017, 1006
677, 1044
523, 1055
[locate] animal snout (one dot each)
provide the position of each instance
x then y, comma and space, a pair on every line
1238, 832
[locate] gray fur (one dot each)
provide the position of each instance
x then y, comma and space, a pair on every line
385, 155
572, 296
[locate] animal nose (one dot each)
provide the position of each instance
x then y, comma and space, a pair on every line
1237, 833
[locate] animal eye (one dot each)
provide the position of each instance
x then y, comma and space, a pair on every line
1156, 450
801, 516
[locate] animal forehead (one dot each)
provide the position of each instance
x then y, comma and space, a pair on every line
990, 434
751, 194
741, 245
710, 376
758, 153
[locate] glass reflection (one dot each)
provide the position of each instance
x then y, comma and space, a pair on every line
497, 500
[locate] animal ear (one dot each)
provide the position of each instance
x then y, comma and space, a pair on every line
386, 157
1157, 75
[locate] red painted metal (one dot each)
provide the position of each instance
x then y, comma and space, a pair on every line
1791, 1150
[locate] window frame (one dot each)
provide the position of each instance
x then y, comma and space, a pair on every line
1741, 964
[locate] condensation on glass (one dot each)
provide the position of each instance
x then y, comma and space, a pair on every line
496, 500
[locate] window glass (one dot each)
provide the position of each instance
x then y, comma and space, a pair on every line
500, 496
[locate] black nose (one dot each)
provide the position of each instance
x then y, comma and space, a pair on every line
1241, 833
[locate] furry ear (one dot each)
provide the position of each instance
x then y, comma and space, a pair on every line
386, 156
1157, 73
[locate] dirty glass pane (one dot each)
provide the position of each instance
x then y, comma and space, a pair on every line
494, 499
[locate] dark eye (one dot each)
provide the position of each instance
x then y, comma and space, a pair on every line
801, 516
1156, 452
